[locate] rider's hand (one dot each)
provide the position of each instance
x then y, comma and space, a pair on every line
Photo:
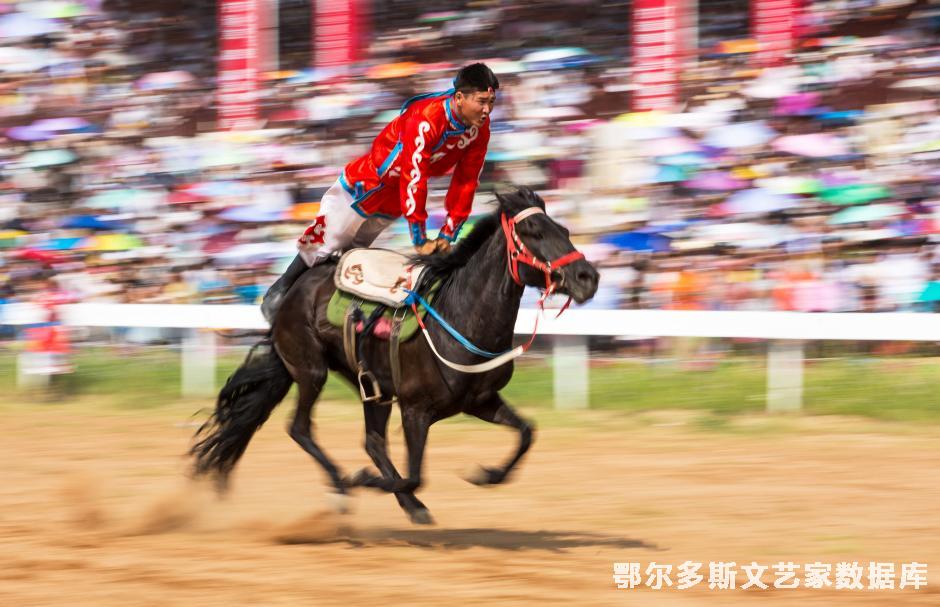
443, 245
427, 247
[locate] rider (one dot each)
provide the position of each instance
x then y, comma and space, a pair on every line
433, 134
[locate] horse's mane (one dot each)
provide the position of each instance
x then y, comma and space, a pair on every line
441, 267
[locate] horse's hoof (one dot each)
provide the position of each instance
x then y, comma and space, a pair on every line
421, 517
486, 477
340, 503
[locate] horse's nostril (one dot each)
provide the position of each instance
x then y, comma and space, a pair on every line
584, 276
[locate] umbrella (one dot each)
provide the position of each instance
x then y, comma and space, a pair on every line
930, 83
715, 180
256, 251
305, 211
504, 66
756, 201
222, 157
797, 104
280, 75
288, 115
856, 193
62, 244
38, 255
218, 189
185, 198
670, 146
28, 133
124, 199
866, 213
869, 235
561, 57
637, 241
669, 174
251, 214
51, 9
790, 185
645, 133
686, 159
746, 235
22, 25
930, 293
90, 222
813, 145
439, 16
61, 124
165, 80
318, 74
111, 242
551, 113
737, 47
402, 69
844, 117
739, 135
47, 158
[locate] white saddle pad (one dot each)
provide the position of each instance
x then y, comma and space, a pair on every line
377, 275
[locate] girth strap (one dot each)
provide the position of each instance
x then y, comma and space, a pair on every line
394, 340
349, 333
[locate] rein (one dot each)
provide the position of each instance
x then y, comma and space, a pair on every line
517, 253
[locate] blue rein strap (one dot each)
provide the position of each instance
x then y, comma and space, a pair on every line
414, 298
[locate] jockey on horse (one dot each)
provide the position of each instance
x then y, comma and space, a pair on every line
433, 134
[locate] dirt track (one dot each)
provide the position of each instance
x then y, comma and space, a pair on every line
94, 511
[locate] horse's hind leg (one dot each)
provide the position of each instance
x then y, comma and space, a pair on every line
376, 417
497, 411
301, 428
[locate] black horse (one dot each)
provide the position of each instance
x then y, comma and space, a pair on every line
482, 280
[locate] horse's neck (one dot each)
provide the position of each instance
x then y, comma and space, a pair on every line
482, 301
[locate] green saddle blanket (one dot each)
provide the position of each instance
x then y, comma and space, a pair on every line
341, 300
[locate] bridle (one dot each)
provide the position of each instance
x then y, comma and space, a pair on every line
517, 253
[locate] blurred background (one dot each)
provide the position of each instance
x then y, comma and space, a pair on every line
721, 155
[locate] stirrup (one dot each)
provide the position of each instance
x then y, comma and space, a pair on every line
376, 394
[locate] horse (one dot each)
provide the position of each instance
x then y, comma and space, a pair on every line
481, 281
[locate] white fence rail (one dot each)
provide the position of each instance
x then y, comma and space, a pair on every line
785, 330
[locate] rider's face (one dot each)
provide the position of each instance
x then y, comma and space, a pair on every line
474, 109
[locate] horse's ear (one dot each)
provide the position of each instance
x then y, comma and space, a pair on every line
504, 195
532, 198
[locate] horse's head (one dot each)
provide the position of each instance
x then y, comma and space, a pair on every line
540, 250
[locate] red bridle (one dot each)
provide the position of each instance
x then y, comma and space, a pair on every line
518, 253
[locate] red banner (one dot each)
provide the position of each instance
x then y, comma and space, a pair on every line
239, 62
773, 24
656, 54
335, 33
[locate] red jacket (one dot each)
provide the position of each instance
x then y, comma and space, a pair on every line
425, 140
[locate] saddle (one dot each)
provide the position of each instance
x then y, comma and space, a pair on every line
377, 275
370, 299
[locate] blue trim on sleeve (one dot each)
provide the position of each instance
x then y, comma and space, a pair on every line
452, 237
387, 164
418, 233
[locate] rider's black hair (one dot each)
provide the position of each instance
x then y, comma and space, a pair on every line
475, 77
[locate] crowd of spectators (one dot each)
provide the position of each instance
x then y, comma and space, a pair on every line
811, 185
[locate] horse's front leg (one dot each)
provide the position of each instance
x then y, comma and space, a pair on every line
497, 411
415, 423
376, 417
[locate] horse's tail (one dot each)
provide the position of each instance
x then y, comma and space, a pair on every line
244, 404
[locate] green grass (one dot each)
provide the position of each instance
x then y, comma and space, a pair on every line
901, 389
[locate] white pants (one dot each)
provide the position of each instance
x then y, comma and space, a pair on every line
343, 228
